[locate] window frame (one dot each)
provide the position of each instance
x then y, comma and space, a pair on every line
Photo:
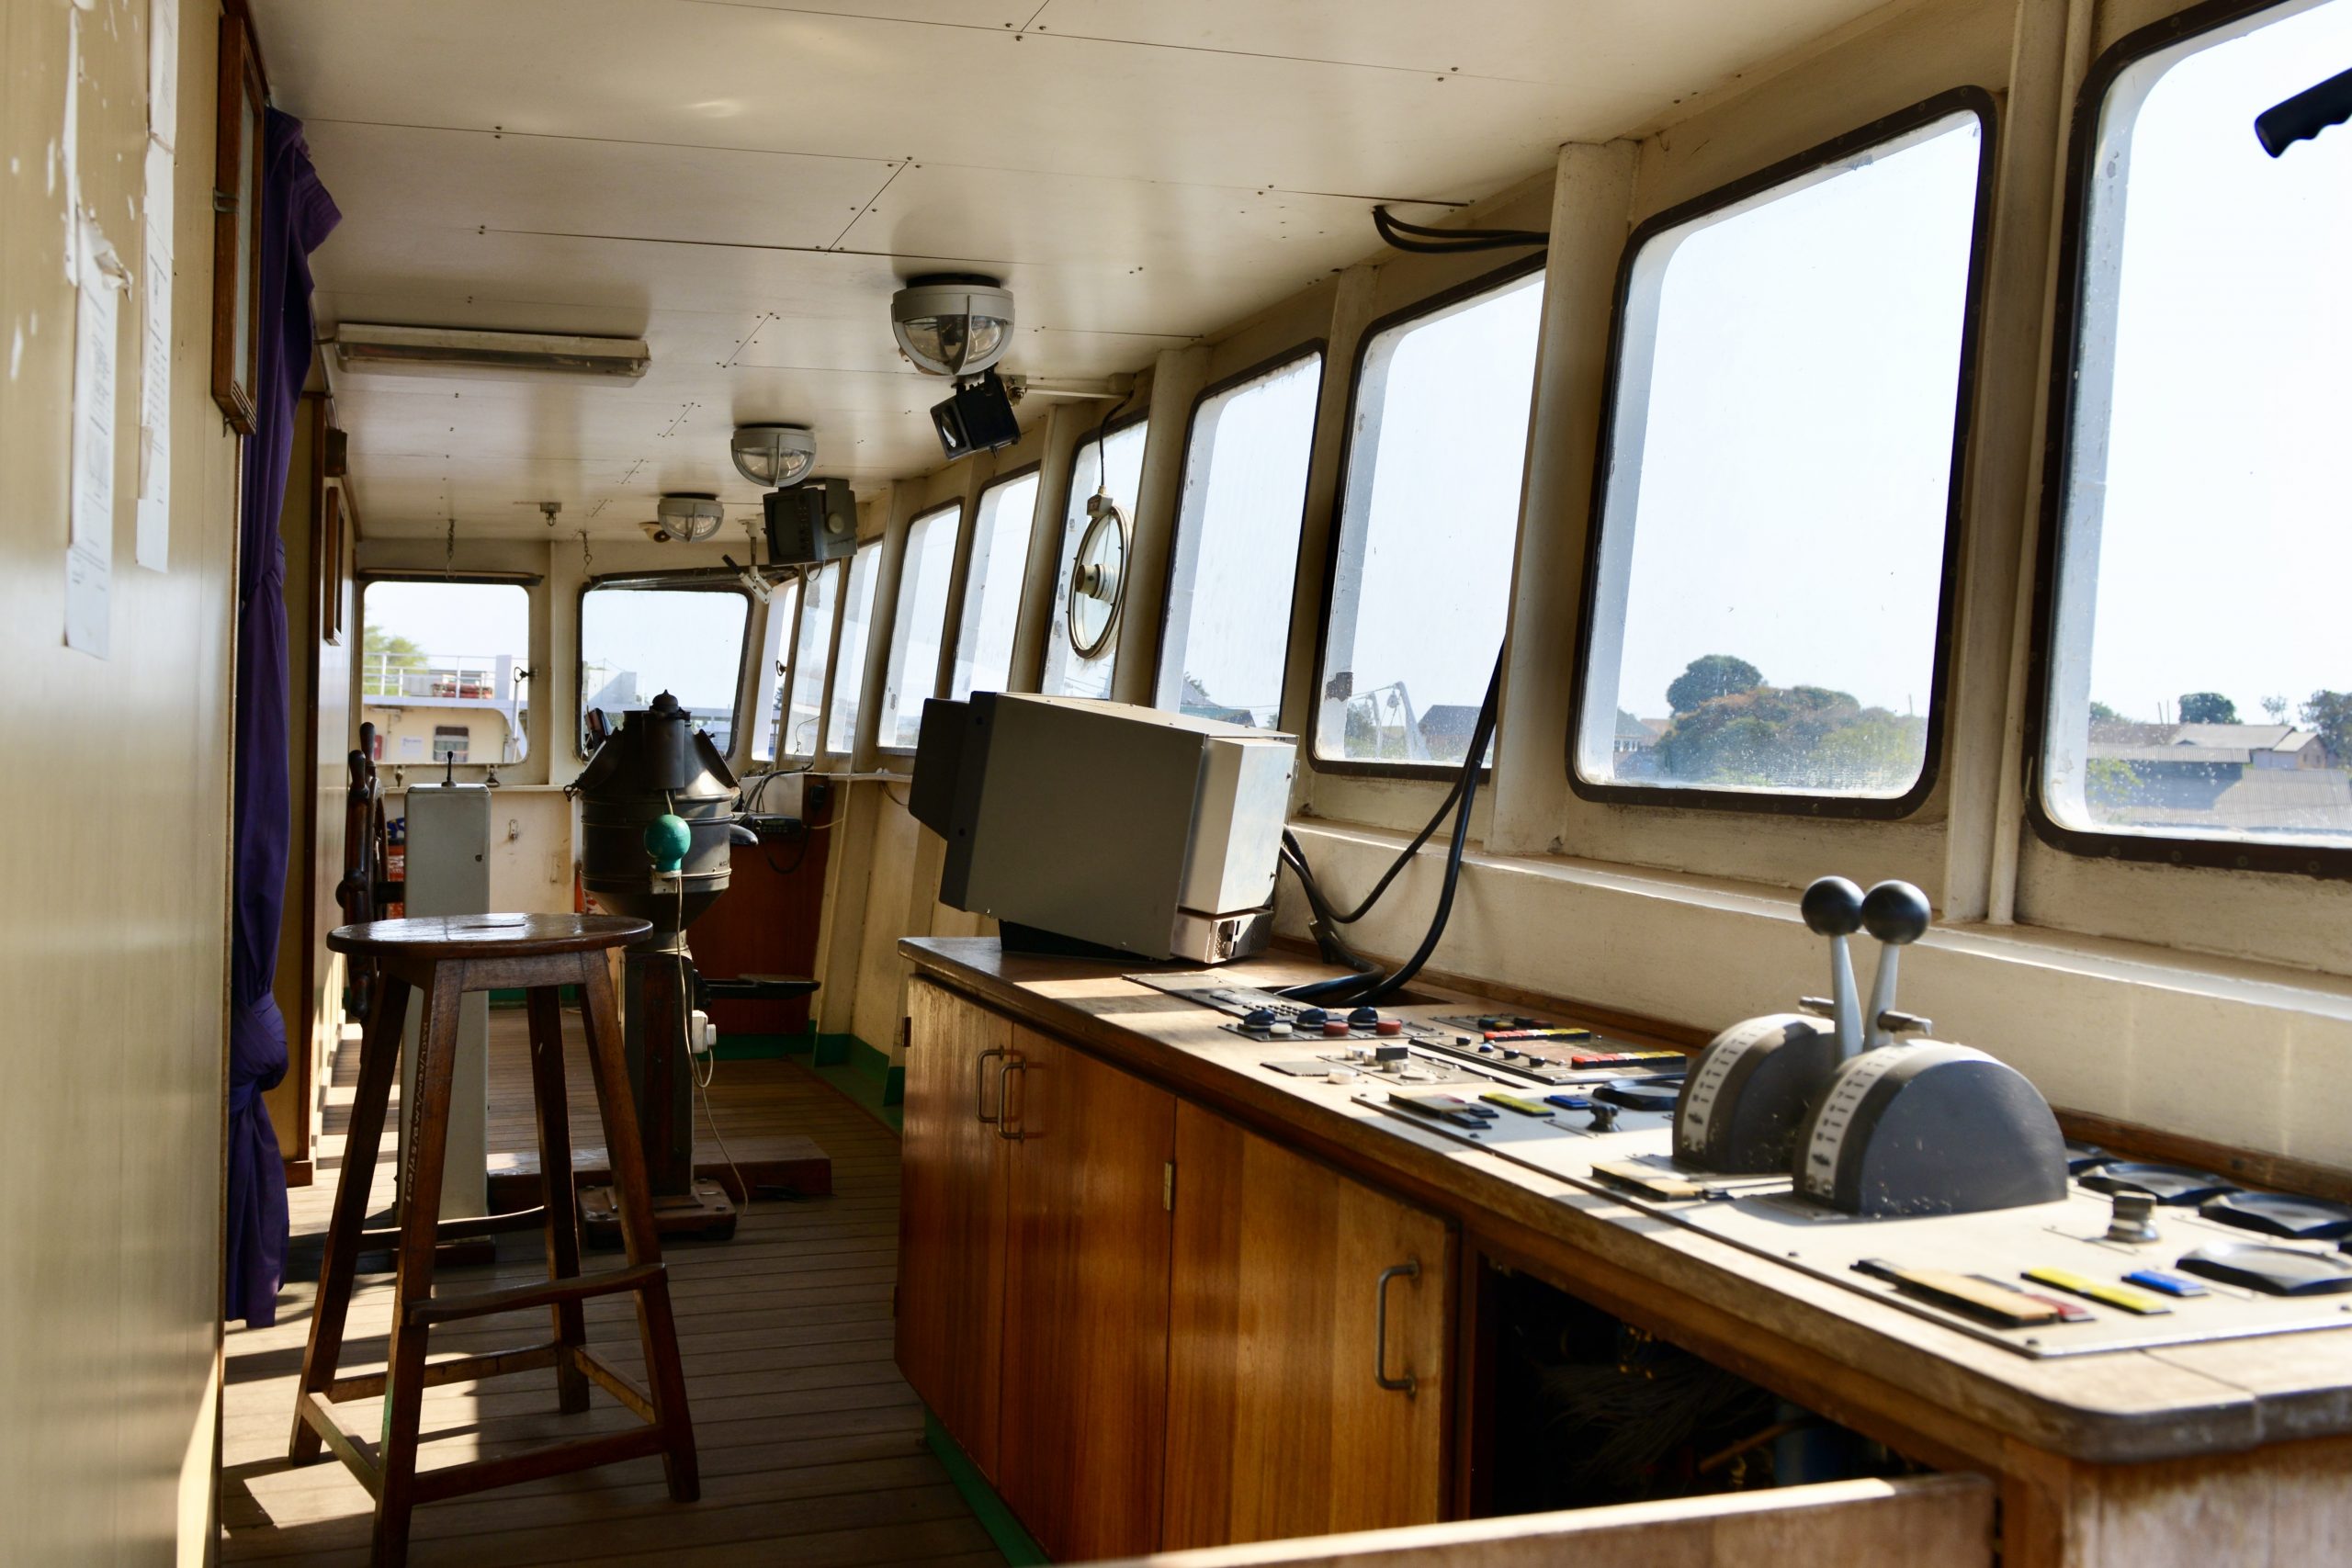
1065, 548
1428, 305
2332, 862
1317, 348
528, 581
1968, 98
965, 608
901, 610
579, 649
825, 747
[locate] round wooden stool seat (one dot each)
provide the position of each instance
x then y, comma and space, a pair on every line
486, 936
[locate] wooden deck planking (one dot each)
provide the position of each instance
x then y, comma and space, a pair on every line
811, 1443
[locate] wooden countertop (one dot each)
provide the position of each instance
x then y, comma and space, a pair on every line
1941, 1395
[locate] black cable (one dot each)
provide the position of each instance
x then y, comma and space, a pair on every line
1328, 941
1420, 240
1352, 988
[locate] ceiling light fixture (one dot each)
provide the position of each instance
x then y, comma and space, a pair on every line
360, 346
774, 455
689, 518
951, 324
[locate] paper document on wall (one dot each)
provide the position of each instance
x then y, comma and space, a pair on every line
163, 72
155, 367
69, 145
89, 553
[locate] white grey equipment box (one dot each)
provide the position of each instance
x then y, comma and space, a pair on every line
448, 873
1154, 833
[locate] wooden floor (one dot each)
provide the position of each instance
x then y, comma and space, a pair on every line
812, 1444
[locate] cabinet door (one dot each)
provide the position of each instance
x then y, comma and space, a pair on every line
1086, 1302
951, 1217
1277, 1421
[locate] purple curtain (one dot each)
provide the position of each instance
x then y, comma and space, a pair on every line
296, 214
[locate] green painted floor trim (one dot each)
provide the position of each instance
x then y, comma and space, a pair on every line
1019, 1548
764, 1047
832, 1049
877, 1065
865, 1092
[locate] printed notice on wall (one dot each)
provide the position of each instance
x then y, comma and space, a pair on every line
89, 553
155, 367
163, 72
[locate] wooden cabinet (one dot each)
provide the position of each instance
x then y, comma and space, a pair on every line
1085, 1301
951, 1217
1307, 1384
1146, 1326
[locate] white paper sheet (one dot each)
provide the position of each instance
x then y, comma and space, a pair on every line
69, 147
163, 72
89, 556
155, 367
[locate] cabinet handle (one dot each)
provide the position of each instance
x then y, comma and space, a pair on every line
1380, 1328
1007, 1127
980, 1088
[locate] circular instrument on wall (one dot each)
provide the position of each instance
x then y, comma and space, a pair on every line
1098, 577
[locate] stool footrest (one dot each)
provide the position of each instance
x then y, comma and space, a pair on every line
353, 1454
455, 1369
557, 1459
631, 1397
377, 1238
579, 1287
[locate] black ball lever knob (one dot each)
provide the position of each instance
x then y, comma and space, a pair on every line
1895, 913
1833, 907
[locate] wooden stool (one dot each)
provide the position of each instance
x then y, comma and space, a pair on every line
445, 957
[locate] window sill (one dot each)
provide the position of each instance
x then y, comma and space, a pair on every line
2238, 1052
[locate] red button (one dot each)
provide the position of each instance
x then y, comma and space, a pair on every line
1389, 1026
1335, 1026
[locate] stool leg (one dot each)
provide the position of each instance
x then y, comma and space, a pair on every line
380, 1055
555, 1183
428, 1129
665, 1378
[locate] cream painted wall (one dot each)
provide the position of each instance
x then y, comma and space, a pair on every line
114, 792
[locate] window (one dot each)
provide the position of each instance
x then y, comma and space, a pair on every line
1420, 580
812, 651
775, 668
2197, 681
636, 643
921, 620
992, 583
1236, 555
1111, 461
857, 613
444, 670
1766, 588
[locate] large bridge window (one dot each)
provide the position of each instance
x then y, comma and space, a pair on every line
1111, 461
1765, 597
1236, 555
2197, 673
992, 584
812, 653
920, 621
849, 663
443, 671
775, 668
1420, 581
636, 643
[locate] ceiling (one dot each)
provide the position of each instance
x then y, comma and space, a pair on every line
745, 184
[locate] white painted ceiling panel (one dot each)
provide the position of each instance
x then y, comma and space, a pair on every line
744, 183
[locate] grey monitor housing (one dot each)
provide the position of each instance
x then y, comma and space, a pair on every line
1103, 828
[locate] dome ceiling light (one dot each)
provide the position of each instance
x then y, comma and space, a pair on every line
774, 456
951, 324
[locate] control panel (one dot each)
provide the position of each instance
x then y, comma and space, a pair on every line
1839, 1140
